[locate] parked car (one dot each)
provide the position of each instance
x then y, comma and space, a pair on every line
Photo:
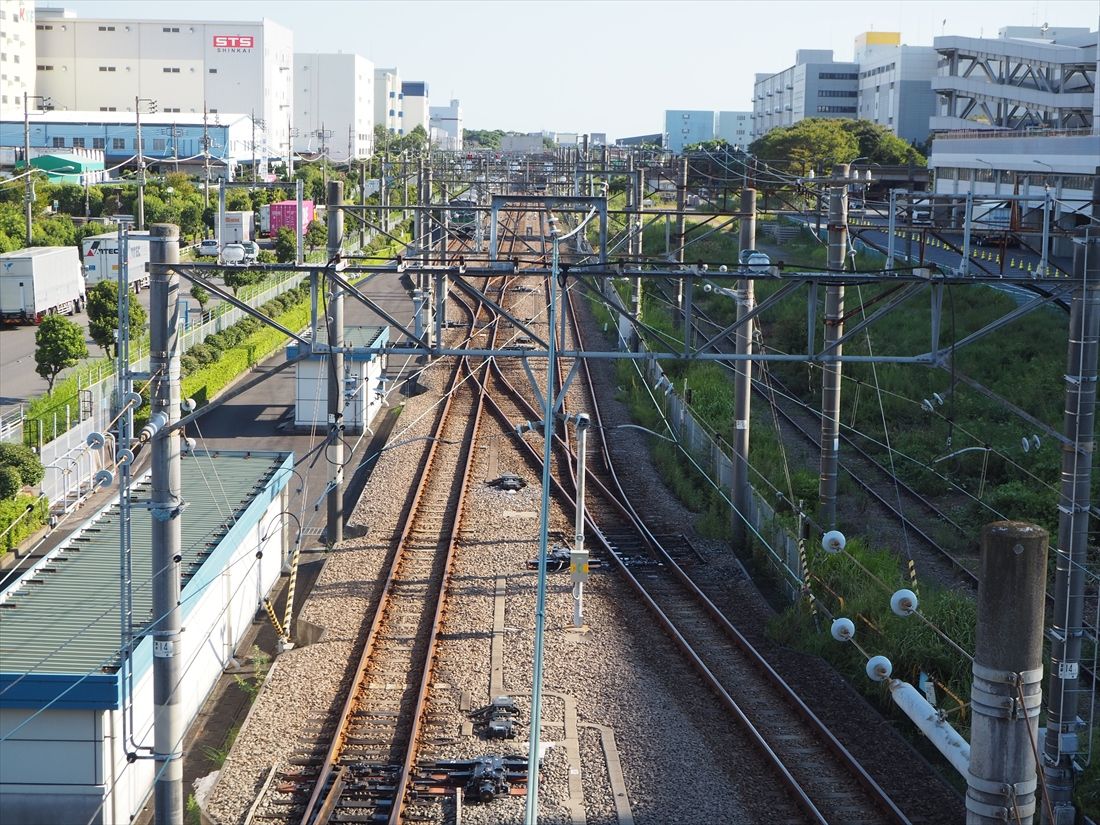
208, 248
233, 253
1006, 239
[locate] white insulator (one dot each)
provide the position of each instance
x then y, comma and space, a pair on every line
843, 630
879, 668
189, 445
134, 399
125, 456
104, 478
96, 441
833, 541
926, 405
1025, 444
188, 405
758, 262
723, 268
904, 602
708, 287
1035, 442
937, 398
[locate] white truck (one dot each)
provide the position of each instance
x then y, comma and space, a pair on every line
238, 227
40, 281
99, 254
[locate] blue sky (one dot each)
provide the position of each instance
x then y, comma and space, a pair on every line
599, 66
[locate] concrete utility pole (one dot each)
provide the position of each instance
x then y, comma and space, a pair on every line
742, 488
834, 329
681, 226
363, 203
383, 194
335, 198
205, 156
166, 506
299, 229
1067, 631
28, 186
141, 164
637, 248
1008, 673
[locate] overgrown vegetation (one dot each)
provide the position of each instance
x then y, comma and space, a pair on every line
994, 478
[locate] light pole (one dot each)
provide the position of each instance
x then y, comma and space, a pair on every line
141, 155
28, 196
1046, 217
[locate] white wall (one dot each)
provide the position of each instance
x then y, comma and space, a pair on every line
17, 53
334, 92
362, 382
181, 64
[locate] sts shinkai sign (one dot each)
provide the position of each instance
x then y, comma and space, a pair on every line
234, 42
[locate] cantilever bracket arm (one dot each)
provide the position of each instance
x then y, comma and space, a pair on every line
375, 308
763, 306
235, 301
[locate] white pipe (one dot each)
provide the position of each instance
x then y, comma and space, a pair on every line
947, 740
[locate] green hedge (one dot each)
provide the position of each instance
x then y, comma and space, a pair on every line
207, 381
12, 509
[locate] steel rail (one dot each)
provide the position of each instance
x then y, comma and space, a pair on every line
680, 635
324, 799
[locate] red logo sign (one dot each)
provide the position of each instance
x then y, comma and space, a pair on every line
234, 41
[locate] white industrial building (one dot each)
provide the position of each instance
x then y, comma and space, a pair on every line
445, 126
17, 75
72, 707
414, 106
364, 391
735, 128
180, 66
895, 84
1029, 77
522, 144
684, 127
388, 99
334, 95
815, 86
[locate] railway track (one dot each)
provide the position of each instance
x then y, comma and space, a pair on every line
818, 779
361, 766
879, 483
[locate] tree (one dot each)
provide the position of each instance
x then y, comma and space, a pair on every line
201, 296
316, 235
103, 315
59, 344
879, 145
814, 143
24, 460
286, 245
237, 277
10, 483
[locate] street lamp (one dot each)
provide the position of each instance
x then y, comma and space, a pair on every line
141, 155
28, 196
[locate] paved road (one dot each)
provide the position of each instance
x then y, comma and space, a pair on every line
19, 381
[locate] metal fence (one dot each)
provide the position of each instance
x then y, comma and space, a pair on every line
70, 465
712, 453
